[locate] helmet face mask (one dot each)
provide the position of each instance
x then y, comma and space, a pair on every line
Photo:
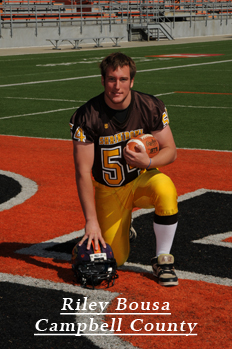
92, 267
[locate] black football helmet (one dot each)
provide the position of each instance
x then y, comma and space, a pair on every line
93, 267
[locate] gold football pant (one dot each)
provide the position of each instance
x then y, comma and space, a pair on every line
114, 207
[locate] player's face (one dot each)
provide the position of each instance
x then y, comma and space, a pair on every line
118, 86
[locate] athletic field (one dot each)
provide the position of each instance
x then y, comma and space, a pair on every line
41, 218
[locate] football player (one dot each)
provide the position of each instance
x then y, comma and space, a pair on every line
124, 179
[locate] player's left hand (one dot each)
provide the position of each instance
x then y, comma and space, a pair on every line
139, 159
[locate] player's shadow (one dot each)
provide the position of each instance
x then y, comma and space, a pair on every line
11, 250
43, 260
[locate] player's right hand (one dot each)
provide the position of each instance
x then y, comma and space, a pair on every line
92, 232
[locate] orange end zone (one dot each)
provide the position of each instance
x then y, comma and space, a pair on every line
189, 303
55, 210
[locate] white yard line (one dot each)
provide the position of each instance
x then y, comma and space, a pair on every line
93, 76
184, 66
39, 113
52, 111
65, 100
97, 76
164, 94
58, 110
196, 106
46, 81
46, 99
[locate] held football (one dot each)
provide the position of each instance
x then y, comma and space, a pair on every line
147, 141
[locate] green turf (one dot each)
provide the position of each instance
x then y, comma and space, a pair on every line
43, 109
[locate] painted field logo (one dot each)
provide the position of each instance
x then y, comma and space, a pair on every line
36, 246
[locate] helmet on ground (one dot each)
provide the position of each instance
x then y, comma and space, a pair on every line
93, 267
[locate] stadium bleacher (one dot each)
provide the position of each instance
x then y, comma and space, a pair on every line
30, 10
136, 15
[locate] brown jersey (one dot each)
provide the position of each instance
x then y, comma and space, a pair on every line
92, 122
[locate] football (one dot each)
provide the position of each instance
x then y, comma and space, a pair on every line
147, 141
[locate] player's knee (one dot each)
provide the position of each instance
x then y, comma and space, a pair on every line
165, 197
120, 258
165, 187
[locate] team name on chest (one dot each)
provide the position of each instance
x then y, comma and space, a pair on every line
119, 137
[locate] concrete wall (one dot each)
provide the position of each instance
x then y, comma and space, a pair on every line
29, 36
201, 28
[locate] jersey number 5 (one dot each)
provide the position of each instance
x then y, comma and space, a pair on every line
113, 172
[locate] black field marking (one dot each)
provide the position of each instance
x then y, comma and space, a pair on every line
22, 306
199, 216
15, 189
9, 188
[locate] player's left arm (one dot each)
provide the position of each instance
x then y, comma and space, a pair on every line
167, 153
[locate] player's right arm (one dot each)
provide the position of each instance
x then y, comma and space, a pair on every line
83, 159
